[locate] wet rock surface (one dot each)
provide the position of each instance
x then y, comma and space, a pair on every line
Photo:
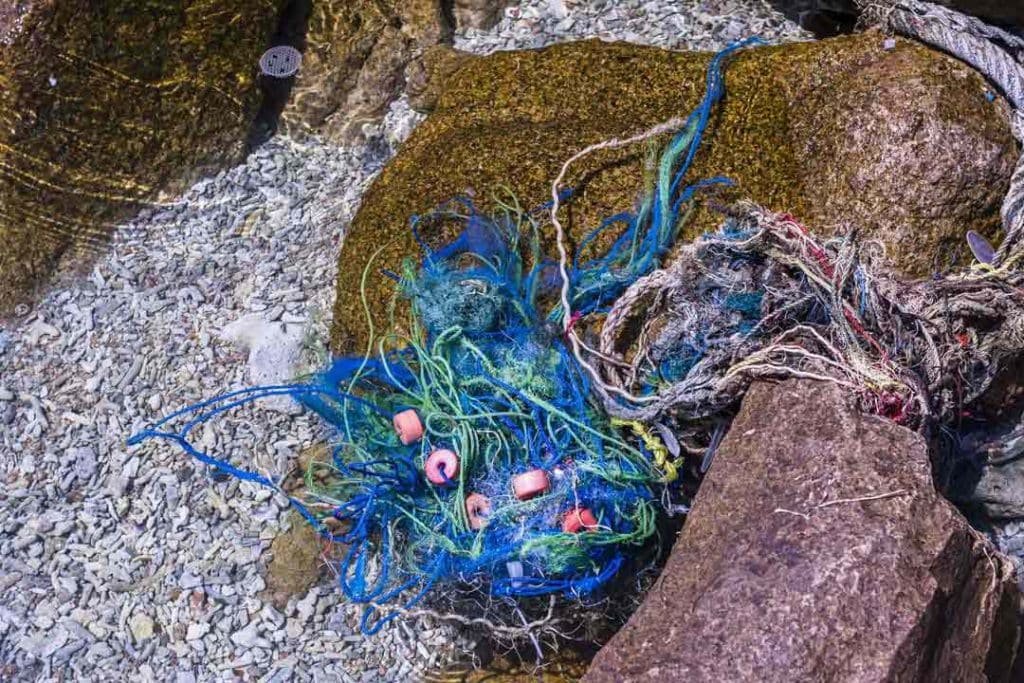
479, 14
788, 133
817, 549
916, 177
103, 106
354, 62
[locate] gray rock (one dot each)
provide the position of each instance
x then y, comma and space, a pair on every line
247, 637
84, 459
478, 14
188, 580
197, 631
998, 490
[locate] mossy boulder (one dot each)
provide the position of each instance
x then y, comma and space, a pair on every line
103, 104
825, 130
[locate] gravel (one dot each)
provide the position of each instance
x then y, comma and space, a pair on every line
691, 25
118, 560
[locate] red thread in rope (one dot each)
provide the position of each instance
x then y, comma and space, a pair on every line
573, 319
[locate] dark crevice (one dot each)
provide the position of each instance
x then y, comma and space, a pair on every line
823, 18
448, 15
291, 30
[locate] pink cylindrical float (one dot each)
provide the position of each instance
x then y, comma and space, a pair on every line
408, 426
442, 466
577, 520
530, 484
478, 508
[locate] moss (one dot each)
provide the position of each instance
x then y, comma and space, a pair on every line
512, 118
102, 105
295, 563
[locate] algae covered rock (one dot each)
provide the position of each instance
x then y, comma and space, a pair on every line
103, 104
295, 561
815, 129
916, 174
355, 59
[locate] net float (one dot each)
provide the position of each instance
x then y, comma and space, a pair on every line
441, 467
530, 484
577, 520
408, 426
478, 508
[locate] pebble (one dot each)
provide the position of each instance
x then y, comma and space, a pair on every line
118, 558
247, 637
141, 627
84, 459
197, 631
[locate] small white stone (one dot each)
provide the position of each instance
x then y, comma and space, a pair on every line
246, 637
293, 629
141, 626
197, 631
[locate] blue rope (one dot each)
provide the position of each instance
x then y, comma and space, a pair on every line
488, 357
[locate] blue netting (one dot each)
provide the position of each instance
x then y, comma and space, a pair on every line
486, 369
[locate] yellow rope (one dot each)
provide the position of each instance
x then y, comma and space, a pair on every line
653, 444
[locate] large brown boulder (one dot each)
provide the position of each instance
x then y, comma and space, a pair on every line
103, 104
818, 550
825, 130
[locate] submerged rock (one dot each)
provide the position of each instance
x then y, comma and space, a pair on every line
479, 14
823, 130
817, 549
105, 104
355, 59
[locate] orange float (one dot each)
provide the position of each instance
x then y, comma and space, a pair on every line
441, 467
408, 426
577, 520
530, 484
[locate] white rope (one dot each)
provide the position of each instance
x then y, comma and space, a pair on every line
995, 53
563, 251
991, 51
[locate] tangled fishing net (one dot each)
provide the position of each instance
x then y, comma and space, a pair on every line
540, 417
504, 475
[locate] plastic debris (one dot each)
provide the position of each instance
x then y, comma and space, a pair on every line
281, 61
982, 249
